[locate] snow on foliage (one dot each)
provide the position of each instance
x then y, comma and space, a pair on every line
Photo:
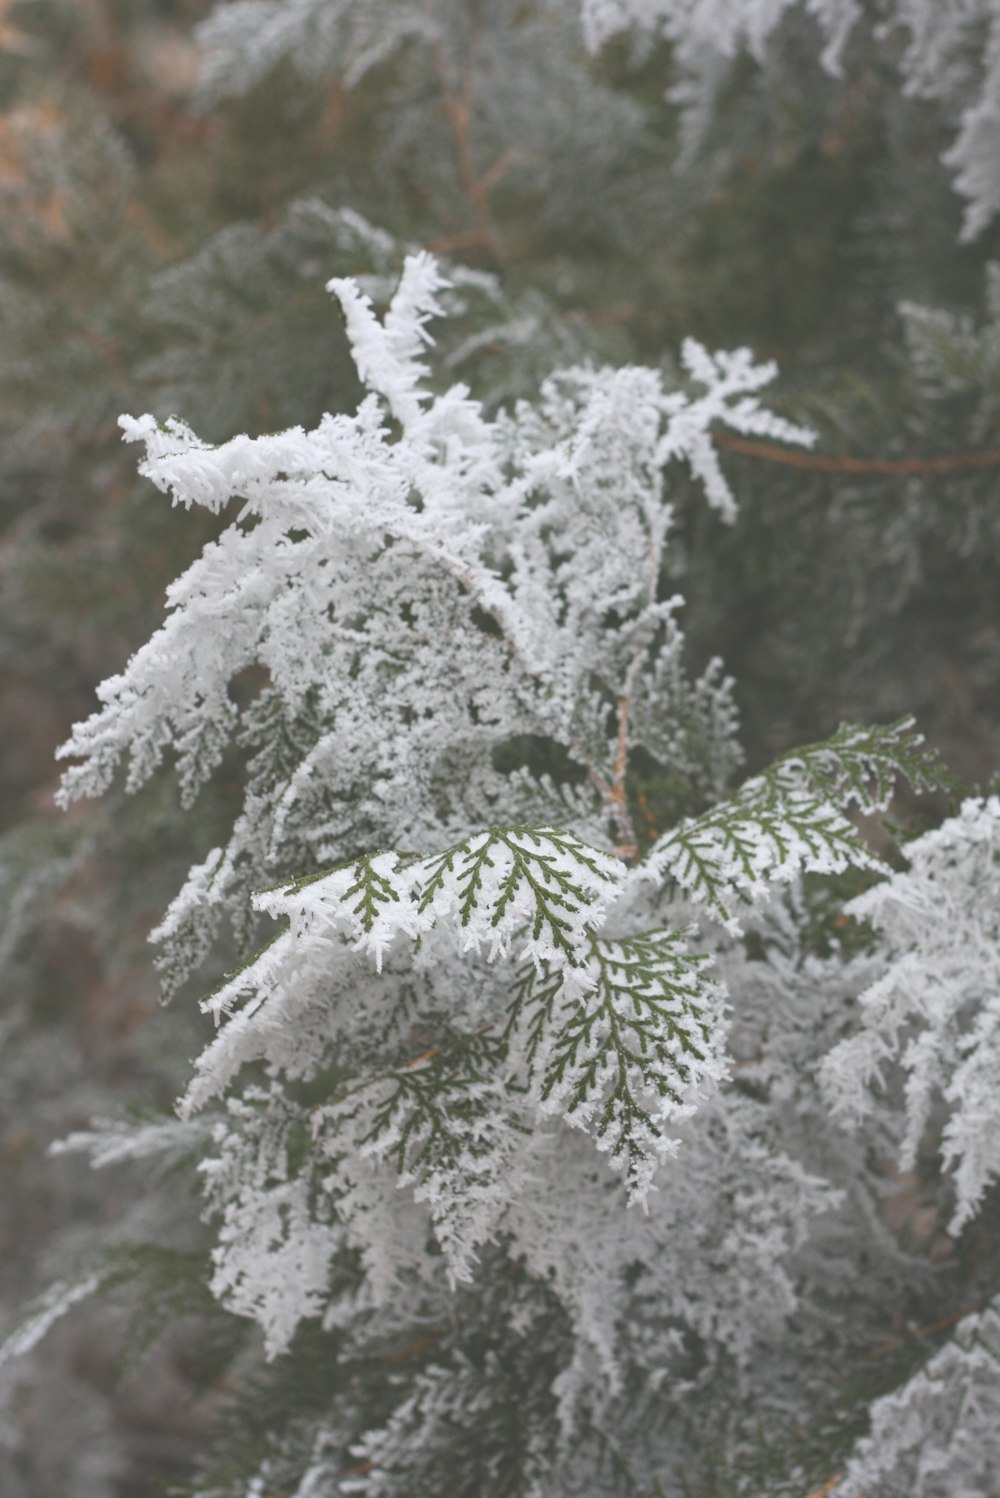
57, 1301
699, 26
479, 581
936, 1436
936, 1011
249, 37
788, 820
438, 640
950, 53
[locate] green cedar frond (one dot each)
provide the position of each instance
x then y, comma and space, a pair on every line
630, 1051
790, 819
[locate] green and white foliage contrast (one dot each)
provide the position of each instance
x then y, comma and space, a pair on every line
425, 589
449, 641
946, 53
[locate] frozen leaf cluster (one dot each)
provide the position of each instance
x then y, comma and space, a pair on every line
789, 820
935, 1013
419, 586
700, 27
495, 1014
936, 1436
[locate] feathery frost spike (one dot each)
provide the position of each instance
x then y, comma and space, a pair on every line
388, 355
51, 1306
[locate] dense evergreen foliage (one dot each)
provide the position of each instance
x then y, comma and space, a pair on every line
613, 1108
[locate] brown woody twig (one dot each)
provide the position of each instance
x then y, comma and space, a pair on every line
989, 457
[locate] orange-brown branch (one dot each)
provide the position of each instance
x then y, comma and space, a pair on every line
614, 792
467, 239
826, 1488
894, 1343
477, 187
629, 849
417, 1346
988, 457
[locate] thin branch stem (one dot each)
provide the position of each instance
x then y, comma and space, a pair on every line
989, 457
895, 1343
825, 1488
477, 187
629, 850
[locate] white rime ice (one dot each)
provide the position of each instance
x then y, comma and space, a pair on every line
936, 1437
489, 1018
935, 1013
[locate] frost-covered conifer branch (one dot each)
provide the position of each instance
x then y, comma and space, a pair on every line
462, 528
639, 1054
617, 1036
948, 54
242, 42
935, 1013
790, 820
936, 1436
479, 989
